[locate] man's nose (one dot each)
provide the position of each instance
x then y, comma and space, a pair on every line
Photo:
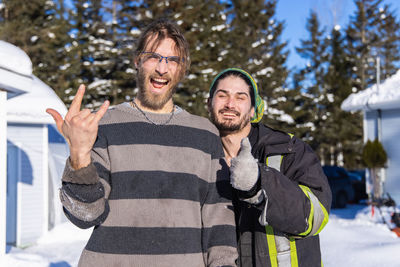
230, 102
162, 66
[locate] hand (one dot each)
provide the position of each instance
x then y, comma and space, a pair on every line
244, 168
79, 128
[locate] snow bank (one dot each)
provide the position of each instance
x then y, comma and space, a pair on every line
61, 247
353, 237
387, 97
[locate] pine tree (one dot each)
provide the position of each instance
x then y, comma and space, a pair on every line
40, 29
389, 42
299, 104
255, 45
92, 54
341, 131
314, 50
362, 42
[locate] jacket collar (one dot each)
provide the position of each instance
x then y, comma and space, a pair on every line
268, 141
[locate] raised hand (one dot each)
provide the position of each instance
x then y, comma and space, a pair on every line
244, 168
79, 128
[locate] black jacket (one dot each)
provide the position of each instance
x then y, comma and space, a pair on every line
288, 206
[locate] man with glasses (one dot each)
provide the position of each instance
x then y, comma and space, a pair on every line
147, 174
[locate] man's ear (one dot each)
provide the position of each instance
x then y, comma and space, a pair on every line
136, 62
209, 104
252, 112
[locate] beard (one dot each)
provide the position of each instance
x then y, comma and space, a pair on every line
153, 101
229, 126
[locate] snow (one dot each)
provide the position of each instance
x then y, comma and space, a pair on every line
14, 59
61, 247
15, 69
31, 107
352, 237
386, 97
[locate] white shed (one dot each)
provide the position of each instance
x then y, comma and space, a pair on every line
14, 80
36, 154
381, 108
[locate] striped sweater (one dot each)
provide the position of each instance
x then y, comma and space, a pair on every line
158, 195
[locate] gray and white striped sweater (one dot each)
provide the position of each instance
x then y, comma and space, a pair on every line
158, 195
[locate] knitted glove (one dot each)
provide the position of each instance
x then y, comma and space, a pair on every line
244, 168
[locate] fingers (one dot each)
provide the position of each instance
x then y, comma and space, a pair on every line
103, 109
83, 114
76, 103
56, 117
245, 146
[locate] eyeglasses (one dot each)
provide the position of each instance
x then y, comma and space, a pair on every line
157, 58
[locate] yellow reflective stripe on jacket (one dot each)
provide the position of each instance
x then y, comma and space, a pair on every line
293, 253
272, 249
318, 216
271, 246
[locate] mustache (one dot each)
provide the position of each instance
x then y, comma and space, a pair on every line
237, 113
156, 76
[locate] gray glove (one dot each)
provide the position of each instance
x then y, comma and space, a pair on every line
244, 168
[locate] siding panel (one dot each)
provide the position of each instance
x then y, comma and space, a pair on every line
390, 137
31, 185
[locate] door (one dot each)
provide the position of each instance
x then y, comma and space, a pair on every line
12, 180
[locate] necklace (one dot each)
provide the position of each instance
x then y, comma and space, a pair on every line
133, 104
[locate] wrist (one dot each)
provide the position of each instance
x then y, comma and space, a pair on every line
79, 160
243, 194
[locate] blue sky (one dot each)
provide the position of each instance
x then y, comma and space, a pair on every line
296, 12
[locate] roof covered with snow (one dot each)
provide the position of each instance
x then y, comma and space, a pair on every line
15, 69
16, 76
386, 96
31, 107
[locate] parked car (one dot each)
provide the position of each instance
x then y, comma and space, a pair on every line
357, 178
341, 186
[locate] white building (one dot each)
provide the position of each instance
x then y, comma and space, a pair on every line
381, 108
36, 154
14, 80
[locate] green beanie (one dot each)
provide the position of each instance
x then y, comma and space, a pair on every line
256, 101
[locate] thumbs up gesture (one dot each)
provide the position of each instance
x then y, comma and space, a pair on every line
79, 128
244, 168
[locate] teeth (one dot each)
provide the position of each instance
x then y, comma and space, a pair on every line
229, 114
160, 80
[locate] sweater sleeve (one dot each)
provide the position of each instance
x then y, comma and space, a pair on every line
219, 232
84, 192
298, 196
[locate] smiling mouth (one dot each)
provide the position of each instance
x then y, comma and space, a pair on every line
229, 113
159, 82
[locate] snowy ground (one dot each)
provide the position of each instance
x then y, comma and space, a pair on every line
351, 238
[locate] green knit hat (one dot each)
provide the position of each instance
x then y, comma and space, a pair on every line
256, 101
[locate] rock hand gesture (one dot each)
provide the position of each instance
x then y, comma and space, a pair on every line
79, 128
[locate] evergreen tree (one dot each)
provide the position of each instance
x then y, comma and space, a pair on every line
314, 50
40, 29
93, 54
363, 41
254, 42
299, 104
388, 42
341, 131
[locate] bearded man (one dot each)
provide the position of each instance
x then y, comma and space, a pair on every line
282, 195
147, 174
